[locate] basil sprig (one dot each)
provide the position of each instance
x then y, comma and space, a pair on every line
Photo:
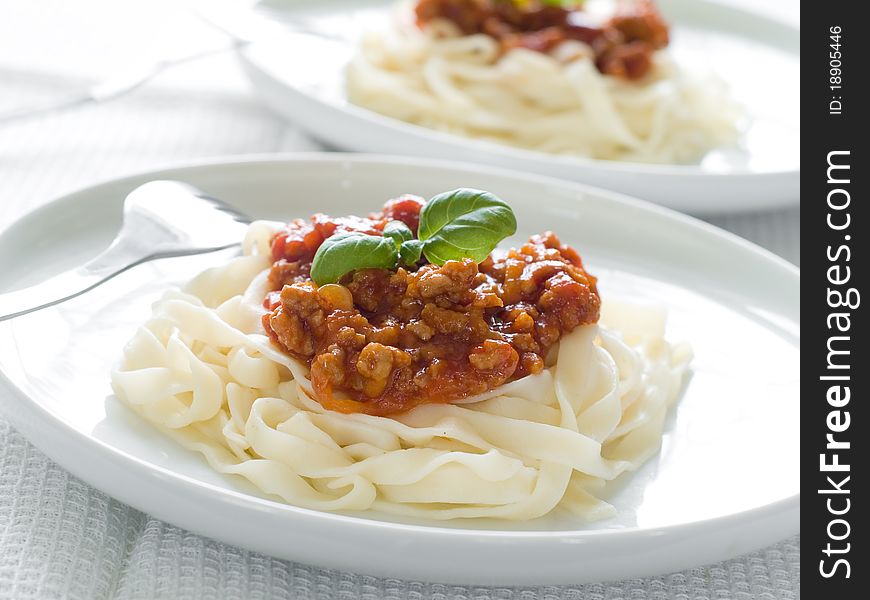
398, 232
464, 223
346, 252
410, 252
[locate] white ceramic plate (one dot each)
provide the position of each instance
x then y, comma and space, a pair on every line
726, 479
302, 78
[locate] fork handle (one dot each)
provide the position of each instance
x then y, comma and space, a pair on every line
73, 283
113, 87
70, 284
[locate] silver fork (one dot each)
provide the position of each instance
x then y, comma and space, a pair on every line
112, 87
242, 27
162, 219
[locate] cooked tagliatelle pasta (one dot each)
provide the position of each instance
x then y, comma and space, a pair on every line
204, 370
529, 75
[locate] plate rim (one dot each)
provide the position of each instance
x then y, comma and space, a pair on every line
158, 476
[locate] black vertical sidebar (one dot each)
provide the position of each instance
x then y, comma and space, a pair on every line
834, 367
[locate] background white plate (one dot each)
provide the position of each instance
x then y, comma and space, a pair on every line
302, 78
726, 480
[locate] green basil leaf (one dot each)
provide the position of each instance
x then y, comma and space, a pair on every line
410, 251
346, 252
464, 223
398, 232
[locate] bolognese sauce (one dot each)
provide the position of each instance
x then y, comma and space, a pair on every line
382, 341
623, 45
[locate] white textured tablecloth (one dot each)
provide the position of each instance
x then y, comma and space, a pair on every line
60, 538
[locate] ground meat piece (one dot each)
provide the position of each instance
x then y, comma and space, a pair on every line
523, 322
491, 354
570, 301
591, 35
641, 22
467, 15
284, 272
525, 342
531, 363
628, 61
422, 331
331, 364
456, 323
533, 16
367, 287
348, 335
551, 242
452, 281
299, 320
376, 363
386, 334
